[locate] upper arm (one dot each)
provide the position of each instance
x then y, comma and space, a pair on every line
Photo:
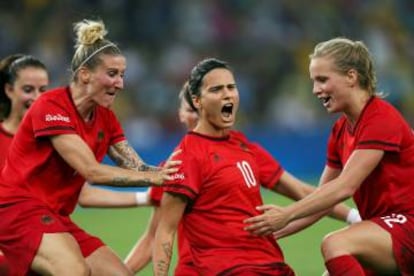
359, 165
172, 210
329, 174
75, 152
290, 186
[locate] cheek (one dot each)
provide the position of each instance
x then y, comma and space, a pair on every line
104, 80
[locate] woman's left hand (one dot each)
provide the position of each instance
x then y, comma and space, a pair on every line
273, 219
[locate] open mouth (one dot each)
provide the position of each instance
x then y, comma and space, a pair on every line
325, 100
28, 104
227, 110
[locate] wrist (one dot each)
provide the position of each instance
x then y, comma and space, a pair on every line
353, 216
141, 198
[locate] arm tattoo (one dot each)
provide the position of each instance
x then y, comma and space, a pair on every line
123, 181
126, 157
163, 264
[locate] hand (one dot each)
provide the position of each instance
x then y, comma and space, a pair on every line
170, 163
168, 169
273, 219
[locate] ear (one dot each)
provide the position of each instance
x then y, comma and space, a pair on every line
84, 75
8, 89
196, 102
352, 77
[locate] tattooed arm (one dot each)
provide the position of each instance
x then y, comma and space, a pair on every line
126, 157
80, 157
172, 209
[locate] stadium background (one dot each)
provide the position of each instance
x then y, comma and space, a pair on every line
266, 42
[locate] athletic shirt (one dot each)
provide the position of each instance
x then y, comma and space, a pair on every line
5, 141
222, 179
34, 169
390, 186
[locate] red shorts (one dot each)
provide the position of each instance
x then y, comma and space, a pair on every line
275, 269
401, 228
22, 226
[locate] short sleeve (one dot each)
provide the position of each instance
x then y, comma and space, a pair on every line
333, 160
187, 180
270, 170
51, 118
380, 132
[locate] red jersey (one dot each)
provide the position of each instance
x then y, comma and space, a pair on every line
5, 141
34, 170
222, 179
390, 187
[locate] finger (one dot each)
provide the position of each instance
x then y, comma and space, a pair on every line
175, 153
252, 220
170, 170
265, 231
254, 226
173, 163
266, 207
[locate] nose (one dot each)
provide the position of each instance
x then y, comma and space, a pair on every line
119, 82
316, 88
36, 94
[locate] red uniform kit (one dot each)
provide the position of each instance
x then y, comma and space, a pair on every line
5, 141
387, 194
35, 200
222, 179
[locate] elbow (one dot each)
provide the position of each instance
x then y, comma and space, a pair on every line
347, 192
92, 174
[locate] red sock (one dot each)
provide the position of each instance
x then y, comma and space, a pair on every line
345, 265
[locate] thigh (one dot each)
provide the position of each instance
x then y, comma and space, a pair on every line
104, 261
57, 252
366, 241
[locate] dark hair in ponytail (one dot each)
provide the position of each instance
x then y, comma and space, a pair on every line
10, 67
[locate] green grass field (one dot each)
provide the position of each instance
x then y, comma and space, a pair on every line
120, 228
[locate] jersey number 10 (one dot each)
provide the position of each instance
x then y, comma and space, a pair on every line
247, 173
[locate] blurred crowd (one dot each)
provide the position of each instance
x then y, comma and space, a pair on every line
266, 42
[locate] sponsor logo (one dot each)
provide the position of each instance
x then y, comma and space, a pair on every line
178, 176
57, 117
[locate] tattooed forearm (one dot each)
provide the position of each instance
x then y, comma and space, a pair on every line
145, 167
124, 181
164, 263
125, 156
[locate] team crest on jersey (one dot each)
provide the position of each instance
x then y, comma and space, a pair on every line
243, 146
216, 157
46, 219
101, 135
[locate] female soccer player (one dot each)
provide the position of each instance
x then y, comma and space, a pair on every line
370, 157
140, 255
22, 80
218, 185
60, 143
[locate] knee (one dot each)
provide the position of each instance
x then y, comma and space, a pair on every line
333, 245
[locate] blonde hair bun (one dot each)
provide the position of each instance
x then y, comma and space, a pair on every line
88, 32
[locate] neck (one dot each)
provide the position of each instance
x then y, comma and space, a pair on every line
11, 123
355, 108
82, 101
210, 130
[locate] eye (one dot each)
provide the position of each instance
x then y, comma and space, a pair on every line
27, 89
42, 89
